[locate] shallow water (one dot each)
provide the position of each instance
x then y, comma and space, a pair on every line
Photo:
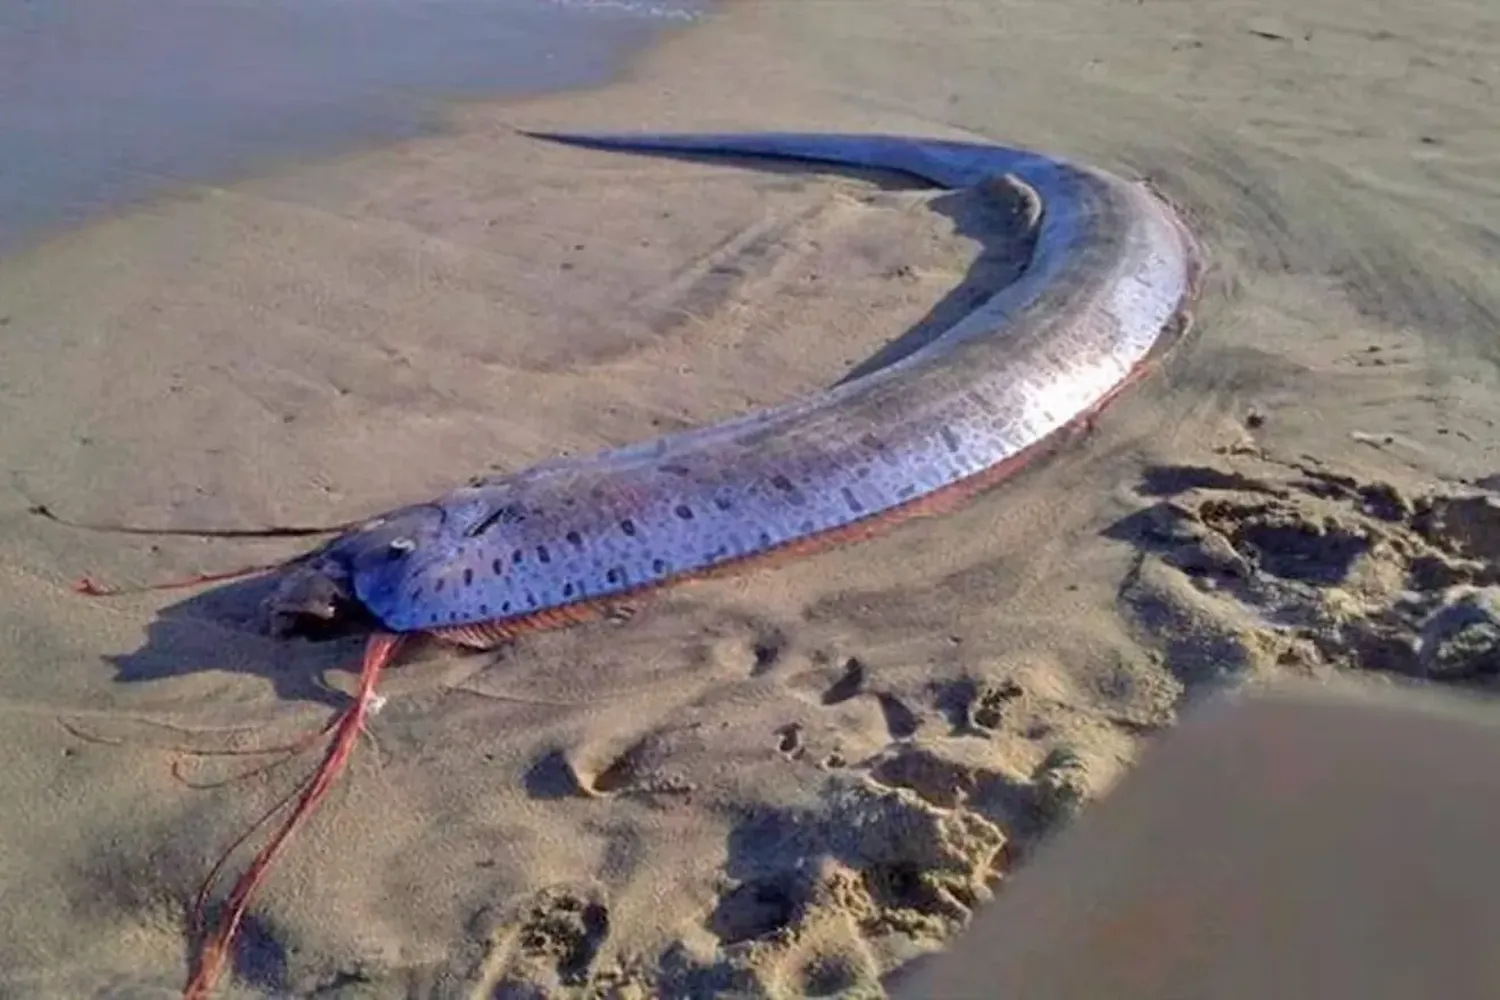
105, 101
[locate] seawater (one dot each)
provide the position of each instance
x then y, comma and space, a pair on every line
103, 102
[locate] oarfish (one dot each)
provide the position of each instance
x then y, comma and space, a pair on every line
1111, 276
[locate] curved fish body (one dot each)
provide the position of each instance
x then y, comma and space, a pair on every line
1110, 279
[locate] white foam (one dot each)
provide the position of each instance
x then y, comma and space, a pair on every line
641, 8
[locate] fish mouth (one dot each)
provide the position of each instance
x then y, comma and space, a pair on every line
314, 601
315, 597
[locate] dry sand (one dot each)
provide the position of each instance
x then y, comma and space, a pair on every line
791, 782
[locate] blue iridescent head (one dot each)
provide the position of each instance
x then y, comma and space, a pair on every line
328, 592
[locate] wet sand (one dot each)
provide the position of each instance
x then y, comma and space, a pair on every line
792, 782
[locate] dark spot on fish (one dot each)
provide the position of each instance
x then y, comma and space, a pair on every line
852, 501
613, 576
807, 527
505, 607
507, 514
497, 566
432, 618
530, 599
723, 503
416, 595
782, 483
684, 511
658, 566
567, 590
484, 609
863, 472
906, 491
575, 539
628, 526
543, 554
468, 577
675, 469
983, 402
437, 588
950, 439
453, 616
765, 538
879, 447
517, 556
720, 552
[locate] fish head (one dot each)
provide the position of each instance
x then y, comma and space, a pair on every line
328, 592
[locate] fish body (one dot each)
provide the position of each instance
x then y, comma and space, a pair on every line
1111, 276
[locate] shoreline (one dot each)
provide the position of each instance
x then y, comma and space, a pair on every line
382, 114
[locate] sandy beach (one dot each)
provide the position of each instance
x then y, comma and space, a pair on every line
791, 782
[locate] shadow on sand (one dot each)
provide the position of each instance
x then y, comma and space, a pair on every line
223, 628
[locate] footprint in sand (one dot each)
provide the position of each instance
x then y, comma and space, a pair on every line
645, 766
1272, 565
827, 962
553, 941
901, 721
977, 706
